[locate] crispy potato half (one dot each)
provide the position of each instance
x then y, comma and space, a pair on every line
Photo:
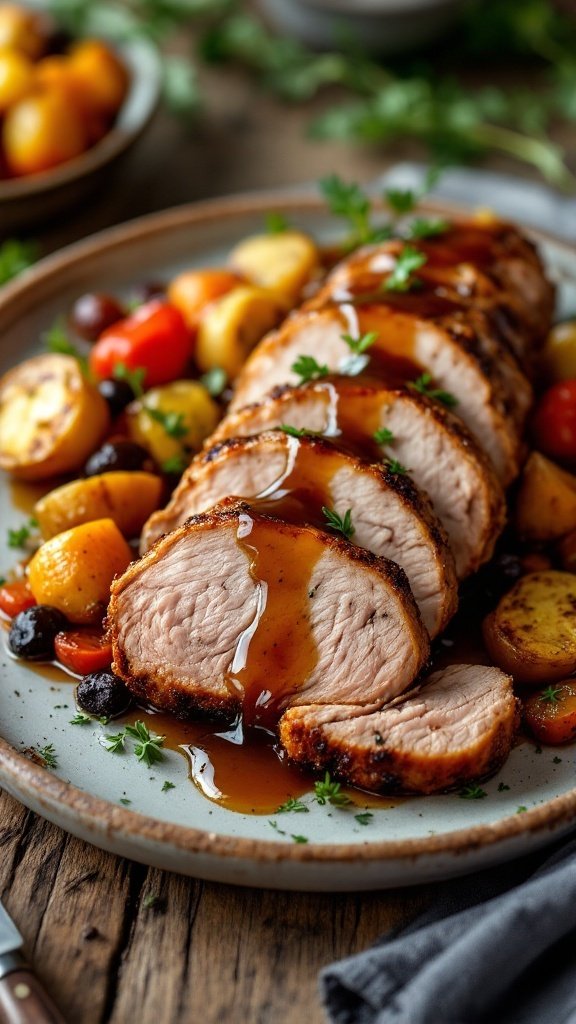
126, 498
51, 417
546, 503
532, 632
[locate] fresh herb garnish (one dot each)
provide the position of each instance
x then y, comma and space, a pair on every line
393, 466
173, 422
521, 809
115, 742
361, 344
364, 818
134, 377
426, 227
16, 256
48, 755
328, 792
295, 431
401, 200
298, 839
423, 385
175, 465
281, 832
168, 785
19, 538
349, 201
383, 436
292, 805
308, 369
276, 223
215, 381
502, 787
402, 278
550, 695
125, 800
2, 581
80, 719
56, 340
341, 524
472, 793
148, 745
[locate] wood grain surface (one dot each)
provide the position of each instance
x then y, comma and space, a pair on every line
113, 941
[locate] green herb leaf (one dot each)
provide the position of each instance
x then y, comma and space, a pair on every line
148, 745
521, 809
427, 227
347, 200
383, 436
19, 538
124, 800
48, 755
361, 344
308, 369
423, 386
276, 223
295, 431
328, 792
472, 793
150, 901
336, 522
56, 340
175, 465
299, 839
292, 805
15, 257
80, 719
402, 278
167, 785
364, 818
134, 378
550, 695
401, 200
502, 787
115, 742
173, 422
556, 760
393, 466
215, 381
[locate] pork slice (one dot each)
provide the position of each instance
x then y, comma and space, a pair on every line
442, 456
492, 395
237, 610
457, 727
298, 477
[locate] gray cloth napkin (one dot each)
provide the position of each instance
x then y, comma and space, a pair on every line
497, 947
470, 959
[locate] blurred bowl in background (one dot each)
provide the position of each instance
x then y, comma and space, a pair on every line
30, 199
378, 26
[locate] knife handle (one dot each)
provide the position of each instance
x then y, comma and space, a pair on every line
24, 1001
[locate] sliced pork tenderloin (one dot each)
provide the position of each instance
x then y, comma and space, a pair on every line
457, 727
440, 453
299, 477
236, 610
492, 394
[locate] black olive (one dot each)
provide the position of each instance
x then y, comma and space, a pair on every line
93, 313
117, 455
150, 290
103, 694
117, 393
32, 632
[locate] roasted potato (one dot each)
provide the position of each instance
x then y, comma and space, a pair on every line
193, 291
558, 358
126, 498
51, 417
172, 421
546, 502
532, 632
73, 571
282, 263
233, 325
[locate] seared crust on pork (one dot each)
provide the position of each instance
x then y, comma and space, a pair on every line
458, 726
177, 615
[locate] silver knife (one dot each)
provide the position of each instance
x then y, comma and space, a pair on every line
22, 999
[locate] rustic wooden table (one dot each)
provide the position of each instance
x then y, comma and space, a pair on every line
197, 951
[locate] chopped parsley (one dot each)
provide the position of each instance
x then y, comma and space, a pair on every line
292, 805
393, 466
19, 538
48, 755
502, 787
341, 524
295, 431
16, 256
402, 278
328, 792
349, 201
167, 785
308, 369
115, 742
550, 695
175, 465
422, 385
150, 901
148, 745
124, 800
361, 344
364, 818
134, 377
401, 200
276, 223
521, 809
383, 436
173, 422
556, 760
427, 227
215, 381
80, 719
472, 793
281, 832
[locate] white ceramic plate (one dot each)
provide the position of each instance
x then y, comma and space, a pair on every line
415, 840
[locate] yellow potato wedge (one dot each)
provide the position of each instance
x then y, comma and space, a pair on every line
282, 263
126, 498
173, 421
233, 325
532, 632
73, 571
51, 417
546, 502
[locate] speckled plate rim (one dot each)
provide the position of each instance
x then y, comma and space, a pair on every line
105, 823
